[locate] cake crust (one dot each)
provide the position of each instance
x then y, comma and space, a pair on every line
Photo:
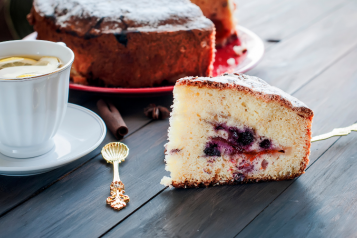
217, 182
252, 85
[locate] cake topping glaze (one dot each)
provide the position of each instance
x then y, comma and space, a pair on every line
116, 16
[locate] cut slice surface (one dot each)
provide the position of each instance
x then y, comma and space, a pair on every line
235, 128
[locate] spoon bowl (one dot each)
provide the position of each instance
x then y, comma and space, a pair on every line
115, 151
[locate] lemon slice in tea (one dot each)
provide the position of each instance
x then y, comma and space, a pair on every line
25, 75
16, 61
43, 66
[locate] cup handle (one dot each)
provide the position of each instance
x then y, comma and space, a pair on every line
61, 43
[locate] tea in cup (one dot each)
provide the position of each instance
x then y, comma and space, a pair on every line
15, 68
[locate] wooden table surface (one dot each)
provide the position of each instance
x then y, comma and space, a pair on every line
311, 53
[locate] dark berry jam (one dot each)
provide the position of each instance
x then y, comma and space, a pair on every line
265, 144
242, 138
246, 138
245, 167
265, 164
219, 127
233, 135
212, 150
239, 177
238, 141
175, 151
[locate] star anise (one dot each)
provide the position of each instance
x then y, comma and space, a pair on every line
156, 112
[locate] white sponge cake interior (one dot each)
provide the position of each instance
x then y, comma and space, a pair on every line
235, 128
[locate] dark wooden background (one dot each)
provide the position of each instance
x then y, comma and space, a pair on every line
311, 52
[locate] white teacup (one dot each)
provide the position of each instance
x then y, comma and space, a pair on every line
32, 109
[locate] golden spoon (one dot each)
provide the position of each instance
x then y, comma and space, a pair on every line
115, 153
336, 132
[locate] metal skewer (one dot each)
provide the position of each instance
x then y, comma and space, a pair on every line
336, 132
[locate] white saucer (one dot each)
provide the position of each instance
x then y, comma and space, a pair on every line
81, 132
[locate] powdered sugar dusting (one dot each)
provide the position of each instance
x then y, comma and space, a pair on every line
117, 15
254, 83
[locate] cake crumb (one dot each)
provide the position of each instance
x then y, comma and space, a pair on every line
166, 181
239, 49
203, 44
231, 61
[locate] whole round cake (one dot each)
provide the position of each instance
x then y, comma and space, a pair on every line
122, 43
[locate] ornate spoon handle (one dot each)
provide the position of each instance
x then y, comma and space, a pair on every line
117, 200
336, 132
116, 171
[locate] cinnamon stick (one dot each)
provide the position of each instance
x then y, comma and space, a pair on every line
112, 118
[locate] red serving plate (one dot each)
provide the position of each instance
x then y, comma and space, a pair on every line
255, 51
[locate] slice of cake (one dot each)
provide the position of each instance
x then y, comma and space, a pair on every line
123, 43
235, 128
221, 13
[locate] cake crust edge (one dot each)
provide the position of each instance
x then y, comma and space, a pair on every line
277, 95
216, 182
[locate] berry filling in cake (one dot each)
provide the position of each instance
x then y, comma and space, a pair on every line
233, 140
243, 147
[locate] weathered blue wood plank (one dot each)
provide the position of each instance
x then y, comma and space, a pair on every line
71, 219
281, 20
320, 204
294, 61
